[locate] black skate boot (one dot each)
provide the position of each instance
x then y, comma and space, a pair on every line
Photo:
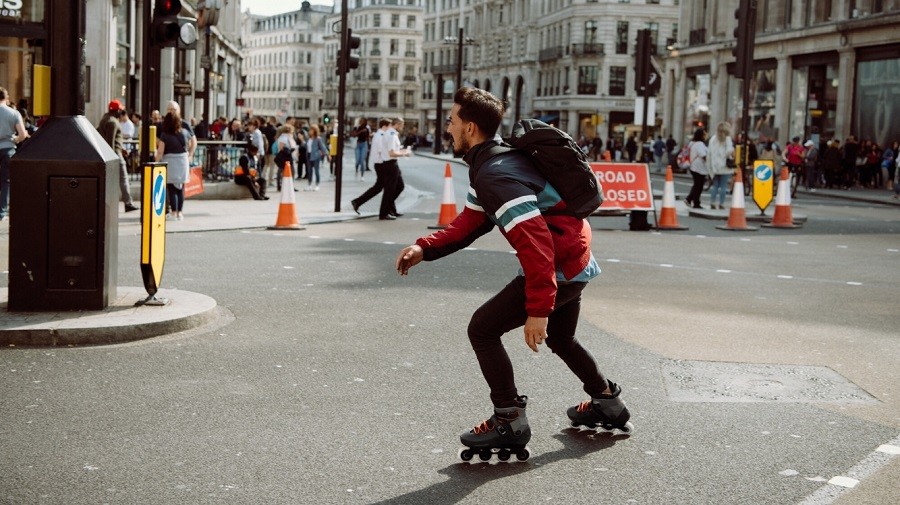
609, 412
504, 434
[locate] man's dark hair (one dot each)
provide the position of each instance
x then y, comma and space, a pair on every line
698, 134
4, 94
480, 107
384, 122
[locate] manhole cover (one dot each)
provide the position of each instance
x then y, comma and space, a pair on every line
705, 381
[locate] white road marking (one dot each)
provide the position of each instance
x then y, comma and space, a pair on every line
724, 271
785, 276
666, 265
851, 283
867, 467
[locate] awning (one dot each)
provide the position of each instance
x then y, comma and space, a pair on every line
548, 119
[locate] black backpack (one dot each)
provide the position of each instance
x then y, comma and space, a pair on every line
561, 162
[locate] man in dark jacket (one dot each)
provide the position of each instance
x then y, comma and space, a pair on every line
111, 131
509, 192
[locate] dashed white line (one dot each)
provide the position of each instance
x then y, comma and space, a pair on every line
723, 271
839, 484
666, 265
785, 276
851, 283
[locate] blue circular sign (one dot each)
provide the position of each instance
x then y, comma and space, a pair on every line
159, 195
764, 172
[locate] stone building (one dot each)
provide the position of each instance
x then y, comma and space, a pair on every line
822, 69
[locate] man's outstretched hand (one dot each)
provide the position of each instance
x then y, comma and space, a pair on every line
409, 257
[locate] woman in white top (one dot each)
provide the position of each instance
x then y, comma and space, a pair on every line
287, 148
698, 168
721, 149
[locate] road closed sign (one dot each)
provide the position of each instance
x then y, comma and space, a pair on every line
625, 186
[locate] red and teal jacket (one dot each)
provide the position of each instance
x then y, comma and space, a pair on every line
507, 191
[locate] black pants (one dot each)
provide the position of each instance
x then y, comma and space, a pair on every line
393, 186
505, 312
246, 180
375, 189
696, 189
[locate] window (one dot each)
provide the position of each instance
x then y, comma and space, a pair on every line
392, 99
622, 37
373, 98
617, 81
376, 20
587, 80
393, 73
376, 47
395, 20
395, 47
410, 21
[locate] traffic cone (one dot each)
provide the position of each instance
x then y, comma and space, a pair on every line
783, 217
737, 218
448, 203
668, 220
287, 210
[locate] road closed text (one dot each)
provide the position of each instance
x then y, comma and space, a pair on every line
625, 186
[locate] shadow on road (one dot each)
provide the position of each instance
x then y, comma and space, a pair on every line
466, 477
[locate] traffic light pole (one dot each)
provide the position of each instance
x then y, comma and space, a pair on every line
341, 118
438, 119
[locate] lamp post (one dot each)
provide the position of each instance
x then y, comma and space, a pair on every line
459, 41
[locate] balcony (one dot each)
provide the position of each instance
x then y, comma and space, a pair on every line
593, 49
410, 54
410, 78
443, 69
550, 54
587, 89
375, 52
373, 103
375, 77
301, 88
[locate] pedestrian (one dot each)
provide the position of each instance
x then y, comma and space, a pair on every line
849, 163
831, 164
721, 155
248, 174
362, 133
698, 169
596, 148
659, 149
315, 153
811, 159
235, 132
287, 146
377, 157
128, 130
393, 178
173, 148
12, 132
507, 191
631, 148
889, 158
111, 131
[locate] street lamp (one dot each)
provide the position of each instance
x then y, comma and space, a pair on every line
459, 41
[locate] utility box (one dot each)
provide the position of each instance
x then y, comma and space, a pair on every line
64, 219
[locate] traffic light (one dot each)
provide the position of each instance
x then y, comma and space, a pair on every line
169, 29
745, 38
326, 119
346, 59
642, 61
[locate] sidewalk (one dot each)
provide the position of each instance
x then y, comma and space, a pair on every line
122, 321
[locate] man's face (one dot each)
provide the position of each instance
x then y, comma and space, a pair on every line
171, 109
457, 129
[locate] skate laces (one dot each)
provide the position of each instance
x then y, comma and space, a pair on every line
584, 406
484, 427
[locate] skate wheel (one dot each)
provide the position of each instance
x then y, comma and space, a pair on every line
628, 429
523, 454
503, 455
466, 454
485, 455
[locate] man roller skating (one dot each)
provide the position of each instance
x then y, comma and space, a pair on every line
553, 247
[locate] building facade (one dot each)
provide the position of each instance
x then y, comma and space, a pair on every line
284, 63
114, 36
822, 69
387, 82
568, 62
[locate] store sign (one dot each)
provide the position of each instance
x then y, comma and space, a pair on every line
11, 8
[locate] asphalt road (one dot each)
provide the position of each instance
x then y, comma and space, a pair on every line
330, 379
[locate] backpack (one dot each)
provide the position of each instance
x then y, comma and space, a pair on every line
561, 162
684, 157
274, 147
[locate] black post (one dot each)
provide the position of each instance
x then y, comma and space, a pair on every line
67, 21
149, 81
459, 59
207, 105
439, 118
342, 89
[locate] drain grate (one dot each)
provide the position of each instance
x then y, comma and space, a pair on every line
707, 381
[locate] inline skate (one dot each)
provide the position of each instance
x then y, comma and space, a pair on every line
504, 434
609, 412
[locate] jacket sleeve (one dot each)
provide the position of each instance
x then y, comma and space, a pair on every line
470, 224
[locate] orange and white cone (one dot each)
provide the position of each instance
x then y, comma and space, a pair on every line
668, 219
287, 210
448, 202
737, 217
783, 217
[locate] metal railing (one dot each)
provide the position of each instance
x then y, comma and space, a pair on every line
217, 158
588, 49
550, 54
